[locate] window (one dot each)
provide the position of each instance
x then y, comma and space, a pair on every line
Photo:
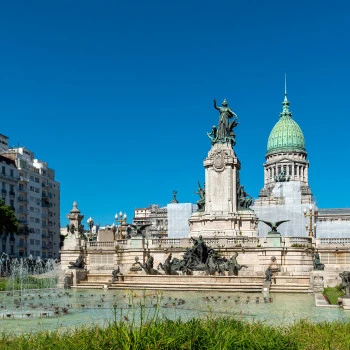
37, 242
3, 170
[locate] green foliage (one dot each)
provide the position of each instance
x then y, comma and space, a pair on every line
8, 220
332, 294
296, 245
210, 333
30, 282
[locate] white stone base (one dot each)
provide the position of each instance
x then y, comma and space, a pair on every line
242, 223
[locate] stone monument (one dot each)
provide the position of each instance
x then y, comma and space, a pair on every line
223, 205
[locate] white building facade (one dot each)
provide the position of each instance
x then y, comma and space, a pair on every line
35, 195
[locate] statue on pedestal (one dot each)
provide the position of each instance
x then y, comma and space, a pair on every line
78, 264
224, 132
233, 266
201, 201
271, 270
317, 262
345, 282
116, 274
244, 199
273, 225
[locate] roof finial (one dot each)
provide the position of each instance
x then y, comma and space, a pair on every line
285, 84
285, 103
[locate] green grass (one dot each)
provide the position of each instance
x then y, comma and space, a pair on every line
210, 333
30, 282
332, 294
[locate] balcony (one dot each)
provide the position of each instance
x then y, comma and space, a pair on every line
24, 229
22, 189
3, 191
23, 179
12, 193
22, 199
23, 221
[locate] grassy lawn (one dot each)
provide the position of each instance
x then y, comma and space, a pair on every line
30, 282
332, 294
210, 333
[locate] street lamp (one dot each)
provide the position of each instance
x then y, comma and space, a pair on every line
90, 222
311, 227
121, 219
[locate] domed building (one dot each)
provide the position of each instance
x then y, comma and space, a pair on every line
286, 192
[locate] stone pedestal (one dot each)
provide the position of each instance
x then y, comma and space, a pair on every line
273, 240
346, 302
221, 218
137, 242
78, 275
317, 280
221, 174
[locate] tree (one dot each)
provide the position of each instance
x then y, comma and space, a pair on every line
8, 220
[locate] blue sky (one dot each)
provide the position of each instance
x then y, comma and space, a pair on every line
117, 96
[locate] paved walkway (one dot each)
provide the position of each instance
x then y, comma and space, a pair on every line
322, 302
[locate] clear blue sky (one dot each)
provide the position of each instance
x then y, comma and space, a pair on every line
117, 95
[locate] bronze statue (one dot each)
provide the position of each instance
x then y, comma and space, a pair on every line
271, 270
116, 274
139, 228
244, 199
200, 249
345, 282
317, 262
201, 201
78, 264
224, 132
233, 266
274, 225
170, 266
148, 265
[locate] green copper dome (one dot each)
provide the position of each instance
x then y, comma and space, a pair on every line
286, 135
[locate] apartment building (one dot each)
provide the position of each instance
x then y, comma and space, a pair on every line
29, 186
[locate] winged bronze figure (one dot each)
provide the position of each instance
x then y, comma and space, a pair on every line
140, 228
274, 225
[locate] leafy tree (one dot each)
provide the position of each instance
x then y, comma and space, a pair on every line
8, 220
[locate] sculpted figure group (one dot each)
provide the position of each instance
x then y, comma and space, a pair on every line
200, 257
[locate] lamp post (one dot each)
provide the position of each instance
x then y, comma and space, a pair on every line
311, 227
90, 222
121, 219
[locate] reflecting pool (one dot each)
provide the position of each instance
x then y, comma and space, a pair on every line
58, 309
